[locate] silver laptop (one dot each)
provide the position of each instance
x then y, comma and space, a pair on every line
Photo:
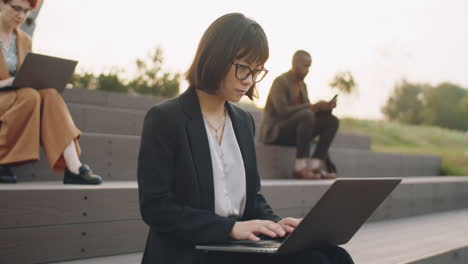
40, 71
334, 220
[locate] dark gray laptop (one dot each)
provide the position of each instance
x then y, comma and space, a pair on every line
334, 220
40, 71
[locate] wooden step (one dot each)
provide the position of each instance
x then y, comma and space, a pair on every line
124, 121
88, 221
277, 162
429, 239
36, 203
418, 239
114, 157
110, 99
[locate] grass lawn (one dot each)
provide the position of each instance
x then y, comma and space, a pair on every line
394, 137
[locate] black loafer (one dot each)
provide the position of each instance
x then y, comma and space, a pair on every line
86, 176
6, 175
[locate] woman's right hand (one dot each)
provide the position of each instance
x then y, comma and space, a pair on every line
7, 82
250, 229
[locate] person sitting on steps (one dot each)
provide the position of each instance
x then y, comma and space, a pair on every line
29, 117
290, 119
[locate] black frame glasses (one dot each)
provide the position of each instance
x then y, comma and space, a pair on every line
19, 9
243, 72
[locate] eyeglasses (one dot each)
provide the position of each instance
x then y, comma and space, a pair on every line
19, 9
244, 71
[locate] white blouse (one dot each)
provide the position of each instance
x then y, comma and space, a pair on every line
228, 172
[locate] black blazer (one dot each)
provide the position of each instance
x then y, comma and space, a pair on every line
175, 180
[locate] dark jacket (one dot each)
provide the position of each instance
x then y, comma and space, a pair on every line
175, 180
281, 105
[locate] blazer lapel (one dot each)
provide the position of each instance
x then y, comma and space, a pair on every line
199, 146
291, 88
200, 149
22, 48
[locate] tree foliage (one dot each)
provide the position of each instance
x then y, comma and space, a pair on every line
444, 105
111, 82
344, 82
149, 79
405, 104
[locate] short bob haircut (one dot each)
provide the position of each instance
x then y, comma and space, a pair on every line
232, 36
32, 3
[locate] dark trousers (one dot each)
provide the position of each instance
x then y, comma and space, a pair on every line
330, 255
301, 129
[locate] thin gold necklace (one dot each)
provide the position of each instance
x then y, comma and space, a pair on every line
218, 131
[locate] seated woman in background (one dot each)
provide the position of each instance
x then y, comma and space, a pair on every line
30, 117
197, 171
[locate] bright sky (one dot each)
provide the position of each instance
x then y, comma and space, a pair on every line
380, 42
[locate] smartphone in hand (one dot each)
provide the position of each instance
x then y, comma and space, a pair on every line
334, 98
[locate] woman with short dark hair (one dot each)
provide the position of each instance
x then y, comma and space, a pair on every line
197, 171
29, 117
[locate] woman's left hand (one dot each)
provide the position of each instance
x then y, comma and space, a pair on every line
289, 223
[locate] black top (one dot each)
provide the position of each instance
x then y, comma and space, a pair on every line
175, 180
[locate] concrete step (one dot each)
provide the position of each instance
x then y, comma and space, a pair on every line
107, 120
121, 101
277, 162
125, 121
123, 114
110, 99
390, 242
89, 221
114, 157
117, 156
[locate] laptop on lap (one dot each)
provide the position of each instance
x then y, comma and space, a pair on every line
40, 71
333, 221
